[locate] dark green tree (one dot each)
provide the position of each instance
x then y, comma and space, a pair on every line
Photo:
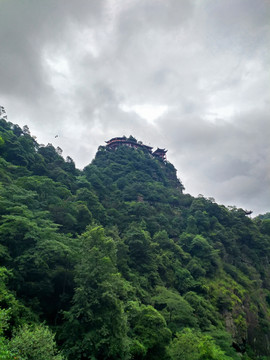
148, 332
96, 324
34, 342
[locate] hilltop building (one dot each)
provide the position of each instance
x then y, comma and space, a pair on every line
131, 142
161, 153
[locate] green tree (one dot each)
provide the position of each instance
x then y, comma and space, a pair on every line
141, 251
192, 345
96, 324
5, 353
32, 342
175, 309
204, 310
148, 332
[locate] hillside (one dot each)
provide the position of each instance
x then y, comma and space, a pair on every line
117, 262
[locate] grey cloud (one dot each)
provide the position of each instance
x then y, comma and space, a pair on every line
240, 26
229, 161
68, 67
26, 27
149, 15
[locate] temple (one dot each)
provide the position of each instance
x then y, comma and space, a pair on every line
161, 153
131, 142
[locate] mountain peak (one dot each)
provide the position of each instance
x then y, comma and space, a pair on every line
131, 142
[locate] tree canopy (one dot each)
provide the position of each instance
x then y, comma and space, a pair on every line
115, 261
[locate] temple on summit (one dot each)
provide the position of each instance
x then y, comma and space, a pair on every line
161, 153
131, 142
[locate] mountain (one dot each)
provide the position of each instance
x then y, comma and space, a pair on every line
117, 262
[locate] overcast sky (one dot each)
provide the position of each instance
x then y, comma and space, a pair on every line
187, 75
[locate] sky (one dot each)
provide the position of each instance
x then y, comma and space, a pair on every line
190, 76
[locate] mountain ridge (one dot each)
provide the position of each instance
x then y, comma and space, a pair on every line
120, 263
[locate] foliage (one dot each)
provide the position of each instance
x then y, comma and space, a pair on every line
34, 342
148, 332
191, 345
5, 353
96, 324
120, 264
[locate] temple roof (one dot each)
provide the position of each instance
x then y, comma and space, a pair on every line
116, 139
124, 140
160, 151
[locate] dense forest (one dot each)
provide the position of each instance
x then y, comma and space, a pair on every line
116, 262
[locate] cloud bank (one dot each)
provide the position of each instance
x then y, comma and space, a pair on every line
190, 76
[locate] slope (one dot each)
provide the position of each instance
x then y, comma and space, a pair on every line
121, 264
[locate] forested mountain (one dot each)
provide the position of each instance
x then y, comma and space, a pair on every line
116, 262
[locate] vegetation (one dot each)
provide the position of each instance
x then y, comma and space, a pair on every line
116, 262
